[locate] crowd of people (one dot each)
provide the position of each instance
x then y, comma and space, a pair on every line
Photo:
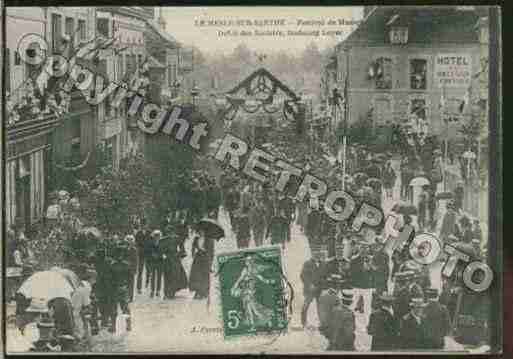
401, 304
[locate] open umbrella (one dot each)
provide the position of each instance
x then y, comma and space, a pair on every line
419, 181
211, 228
46, 285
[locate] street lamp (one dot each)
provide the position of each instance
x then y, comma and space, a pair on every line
194, 93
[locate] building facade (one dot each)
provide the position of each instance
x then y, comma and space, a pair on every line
405, 60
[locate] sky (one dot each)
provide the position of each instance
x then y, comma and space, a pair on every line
184, 24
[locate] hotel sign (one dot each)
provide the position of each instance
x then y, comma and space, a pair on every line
453, 70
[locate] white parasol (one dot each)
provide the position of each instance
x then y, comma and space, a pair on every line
47, 285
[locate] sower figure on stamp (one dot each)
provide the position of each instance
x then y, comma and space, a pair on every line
311, 285
384, 325
244, 287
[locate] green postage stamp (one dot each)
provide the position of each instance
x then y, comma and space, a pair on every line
252, 292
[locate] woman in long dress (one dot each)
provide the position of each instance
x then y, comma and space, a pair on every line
255, 313
203, 255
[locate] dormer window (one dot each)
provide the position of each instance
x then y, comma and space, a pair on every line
398, 34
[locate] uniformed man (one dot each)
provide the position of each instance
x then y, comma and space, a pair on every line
156, 263
437, 320
311, 285
121, 285
413, 326
384, 325
141, 237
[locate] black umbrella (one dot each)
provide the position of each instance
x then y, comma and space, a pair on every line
211, 228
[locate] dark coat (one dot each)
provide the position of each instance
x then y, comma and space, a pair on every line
384, 328
382, 270
279, 229
412, 334
309, 277
343, 327
438, 324
174, 273
313, 225
360, 276
328, 300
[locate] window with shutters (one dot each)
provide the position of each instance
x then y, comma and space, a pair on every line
382, 111
82, 30
56, 32
102, 27
418, 74
384, 73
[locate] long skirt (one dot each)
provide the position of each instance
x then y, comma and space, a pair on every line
200, 274
175, 277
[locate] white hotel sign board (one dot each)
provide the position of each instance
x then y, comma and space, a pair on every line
453, 70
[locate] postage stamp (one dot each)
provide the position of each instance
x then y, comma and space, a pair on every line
252, 290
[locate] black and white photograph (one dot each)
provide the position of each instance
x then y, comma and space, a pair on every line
345, 156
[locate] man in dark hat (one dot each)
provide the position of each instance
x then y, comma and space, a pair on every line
155, 263
384, 325
328, 299
141, 237
413, 326
380, 266
313, 226
311, 288
437, 320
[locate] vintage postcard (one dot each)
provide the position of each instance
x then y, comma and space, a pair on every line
279, 180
